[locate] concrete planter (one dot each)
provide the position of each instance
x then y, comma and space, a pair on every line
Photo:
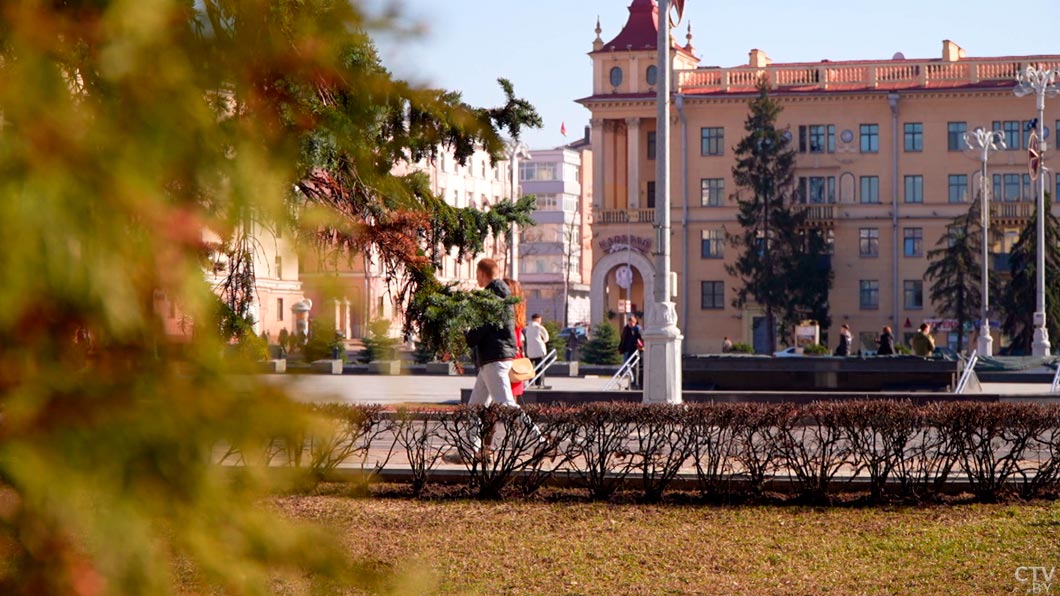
440, 368
385, 367
328, 367
562, 369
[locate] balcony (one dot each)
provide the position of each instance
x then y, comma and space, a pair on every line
820, 214
897, 74
1011, 213
621, 216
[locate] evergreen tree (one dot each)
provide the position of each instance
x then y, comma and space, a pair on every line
1018, 301
603, 347
783, 264
129, 129
956, 270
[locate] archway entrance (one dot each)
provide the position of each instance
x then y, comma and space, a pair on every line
606, 291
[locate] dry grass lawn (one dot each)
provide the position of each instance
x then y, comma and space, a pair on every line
454, 546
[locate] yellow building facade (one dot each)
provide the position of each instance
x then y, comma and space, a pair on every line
881, 165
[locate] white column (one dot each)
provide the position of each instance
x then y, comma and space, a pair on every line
597, 141
633, 162
349, 314
338, 317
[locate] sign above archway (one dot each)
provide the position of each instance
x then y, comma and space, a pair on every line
622, 242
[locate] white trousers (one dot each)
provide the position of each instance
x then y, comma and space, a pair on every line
493, 385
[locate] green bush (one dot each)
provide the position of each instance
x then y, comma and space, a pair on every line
379, 345
742, 349
322, 343
603, 347
555, 342
816, 350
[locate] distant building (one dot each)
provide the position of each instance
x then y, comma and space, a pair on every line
351, 290
277, 287
880, 166
556, 254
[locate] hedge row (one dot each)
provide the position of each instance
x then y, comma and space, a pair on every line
892, 448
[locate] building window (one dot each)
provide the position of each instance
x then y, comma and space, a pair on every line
616, 76
712, 141
651, 144
529, 170
1007, 187
651, 75
869, 294
958, 188
713, 244
913, 292
651, 194
914, 189
1011, 129
279, 309
955, 135
816, 189
913, 242
713, 295
869, 242
817, 138
914, 136
711, 192
279, 267
870, 189
870, 138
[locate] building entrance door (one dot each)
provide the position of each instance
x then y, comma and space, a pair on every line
759, 335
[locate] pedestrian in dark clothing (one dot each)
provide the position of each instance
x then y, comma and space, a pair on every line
843, 349
494, 346
886, 342
629, 344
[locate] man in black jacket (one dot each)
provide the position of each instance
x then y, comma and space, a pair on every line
493, 347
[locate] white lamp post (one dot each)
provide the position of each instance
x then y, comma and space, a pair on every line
1041, 82
662, 338
516, 149
984, 141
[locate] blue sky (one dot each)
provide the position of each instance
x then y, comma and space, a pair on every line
542, 45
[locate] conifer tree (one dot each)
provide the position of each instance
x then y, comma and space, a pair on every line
603, 347
1018, 300
783, 264
955, 270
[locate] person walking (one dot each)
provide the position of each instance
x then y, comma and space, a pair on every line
726, 345
843, 349
923, 342
630, 343
885, 342
537, 345
519, 309
494, 347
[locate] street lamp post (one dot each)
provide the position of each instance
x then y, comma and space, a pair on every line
1041, 82
662, 337
984, 141
516, 149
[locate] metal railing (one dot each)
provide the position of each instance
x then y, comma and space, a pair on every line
542, 366
627, 370
969, 370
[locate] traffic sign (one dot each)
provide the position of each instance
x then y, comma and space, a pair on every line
1034, 158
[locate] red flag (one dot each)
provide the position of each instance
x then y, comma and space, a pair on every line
563, 128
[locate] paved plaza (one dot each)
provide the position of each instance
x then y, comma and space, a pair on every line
397, 389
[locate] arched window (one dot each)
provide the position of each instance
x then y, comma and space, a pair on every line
616, 76
652, 74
